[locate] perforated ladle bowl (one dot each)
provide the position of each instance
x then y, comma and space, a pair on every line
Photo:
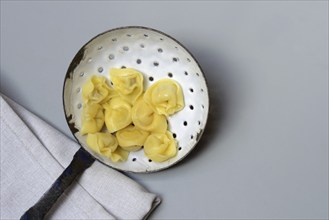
156, 55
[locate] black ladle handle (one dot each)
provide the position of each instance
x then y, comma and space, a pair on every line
81, 161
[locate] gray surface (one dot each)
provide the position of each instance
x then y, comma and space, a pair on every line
265, 150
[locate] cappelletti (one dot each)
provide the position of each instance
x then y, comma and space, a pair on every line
132, 118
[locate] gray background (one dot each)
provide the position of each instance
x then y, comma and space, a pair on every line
264, 153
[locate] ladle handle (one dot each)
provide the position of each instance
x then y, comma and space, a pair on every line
80, 162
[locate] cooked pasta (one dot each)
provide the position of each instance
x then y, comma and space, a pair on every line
131, 138
132, 119
160, 147
96, 90
117, 114
106, 144
165, 97
92, 119
146, 119
128, 83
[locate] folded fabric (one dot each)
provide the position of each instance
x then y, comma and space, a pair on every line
34, 154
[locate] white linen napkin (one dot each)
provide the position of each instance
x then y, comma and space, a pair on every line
34, 154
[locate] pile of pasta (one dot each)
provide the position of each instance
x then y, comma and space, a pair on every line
133, 119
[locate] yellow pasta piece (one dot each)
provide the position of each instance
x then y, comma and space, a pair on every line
146, 119
160, 147
128, 83
102, 143
117, 114
131, 138
96, 90
119, 155
106, 144
92, 118
165, 97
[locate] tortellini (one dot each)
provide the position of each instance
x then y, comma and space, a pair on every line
119, 155
145, 118
92, 119
128, 83
160, 147
117, 114
106, 144
103, 143
132, 118
131, 138
96, 90
165, 97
